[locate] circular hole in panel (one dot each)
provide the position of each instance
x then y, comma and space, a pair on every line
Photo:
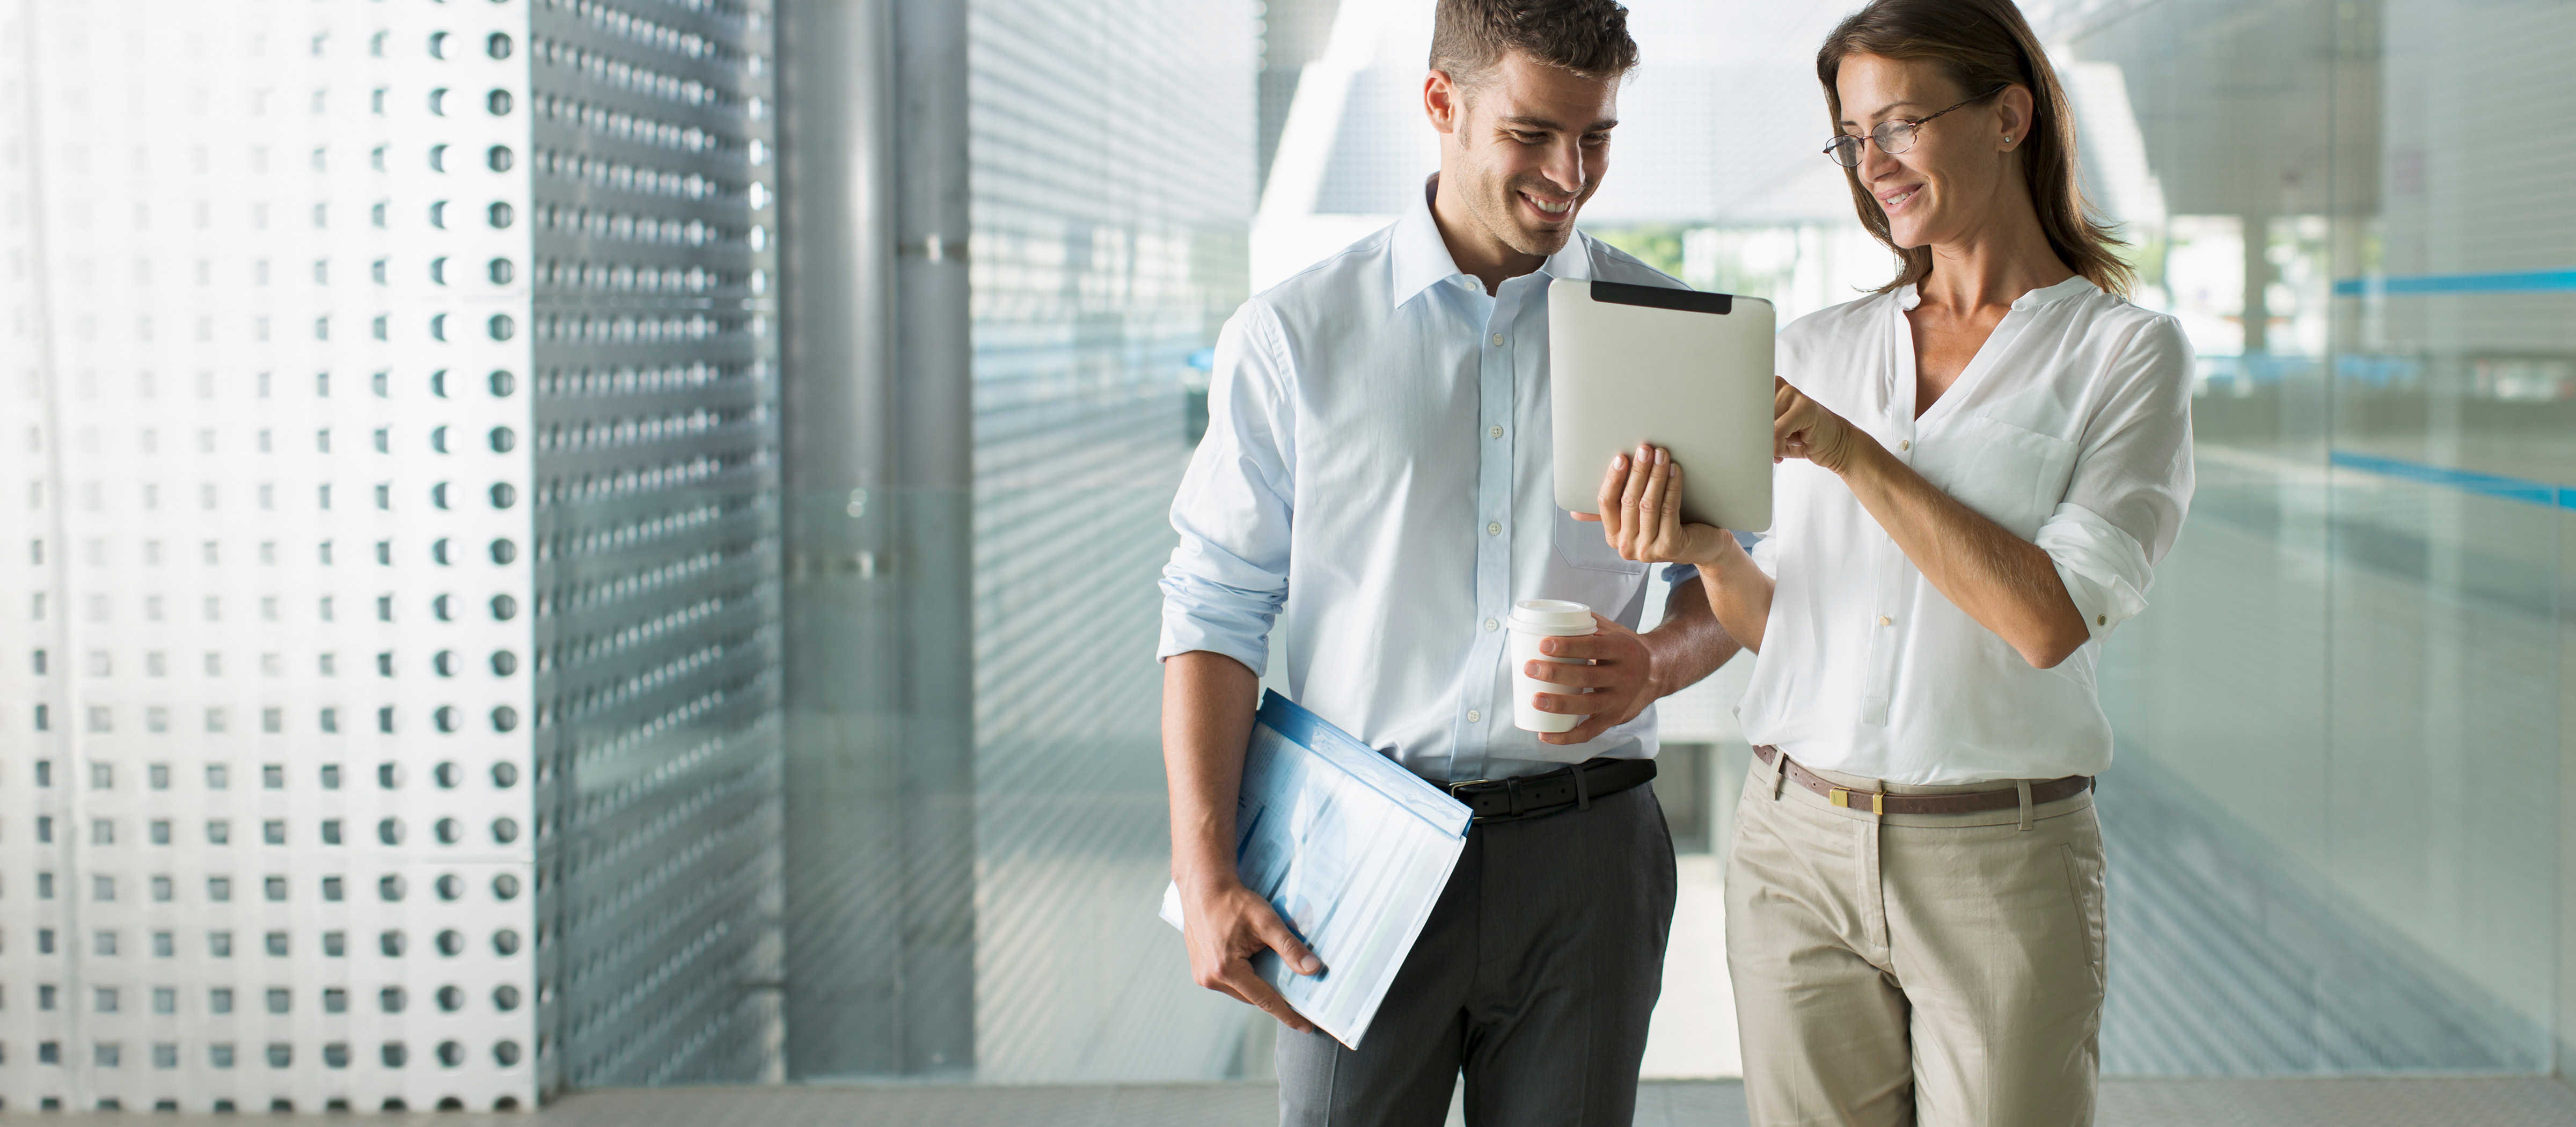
498, 158
391, 999
506, 1053
444, 717
504, 718
502, 272
503, 383
447, 831
450, 943
444, 661
504, 440
450, 886
505, 887
448, 775
505, 775
504, 495
498, 46
390, 832
390, 889
500, 215
451, 1054
504, 663
504, 608
451, 998
505, 830
389, 776
499, 102
505, 997
505, 942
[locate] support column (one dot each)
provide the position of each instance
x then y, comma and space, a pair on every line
879, 776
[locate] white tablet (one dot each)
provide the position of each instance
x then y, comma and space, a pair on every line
1684, 370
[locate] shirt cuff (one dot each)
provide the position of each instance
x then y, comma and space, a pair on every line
1680, 573
1198, 615
2104, 569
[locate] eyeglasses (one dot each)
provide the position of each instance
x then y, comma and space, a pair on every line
1892, 137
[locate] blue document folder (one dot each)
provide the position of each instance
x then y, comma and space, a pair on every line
1352, 850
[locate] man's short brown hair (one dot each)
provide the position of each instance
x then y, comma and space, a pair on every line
1587, 37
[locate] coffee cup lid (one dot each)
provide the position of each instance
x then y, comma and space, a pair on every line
1552, 616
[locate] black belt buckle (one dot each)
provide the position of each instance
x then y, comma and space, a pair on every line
1520, 793
1516, 806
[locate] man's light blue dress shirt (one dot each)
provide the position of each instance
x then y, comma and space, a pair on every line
1376, 484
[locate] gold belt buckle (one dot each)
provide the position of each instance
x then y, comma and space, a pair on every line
1877, 801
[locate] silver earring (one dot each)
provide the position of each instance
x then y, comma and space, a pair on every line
2007, 138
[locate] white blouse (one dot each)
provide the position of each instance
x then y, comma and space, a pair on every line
2071, 428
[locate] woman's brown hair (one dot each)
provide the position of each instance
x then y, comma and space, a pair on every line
1981, 45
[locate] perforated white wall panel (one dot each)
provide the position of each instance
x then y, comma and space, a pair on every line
303, 620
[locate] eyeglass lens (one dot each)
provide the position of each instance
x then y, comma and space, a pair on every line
1892, 137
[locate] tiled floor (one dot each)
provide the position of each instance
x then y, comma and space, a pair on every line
2483, 1102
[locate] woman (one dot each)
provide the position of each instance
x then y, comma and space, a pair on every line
1981, 464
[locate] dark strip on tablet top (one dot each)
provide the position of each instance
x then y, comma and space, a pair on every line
1658, 297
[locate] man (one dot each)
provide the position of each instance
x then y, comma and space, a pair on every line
1375, 482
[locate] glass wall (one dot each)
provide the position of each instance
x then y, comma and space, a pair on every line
2335, 820
1112, 160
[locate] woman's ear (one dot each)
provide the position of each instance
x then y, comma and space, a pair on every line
2013, 110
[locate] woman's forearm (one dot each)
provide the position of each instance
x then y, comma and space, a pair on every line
1739, 593
2008, 584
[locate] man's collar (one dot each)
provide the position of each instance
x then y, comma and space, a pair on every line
1421, 256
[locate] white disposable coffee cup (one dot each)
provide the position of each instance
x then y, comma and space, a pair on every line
1534, 620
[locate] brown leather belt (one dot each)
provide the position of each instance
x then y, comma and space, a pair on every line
1882, 804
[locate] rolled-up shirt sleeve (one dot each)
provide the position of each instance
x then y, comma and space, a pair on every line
1229, 575
2132, 483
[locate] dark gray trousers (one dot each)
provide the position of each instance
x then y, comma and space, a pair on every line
1536, 974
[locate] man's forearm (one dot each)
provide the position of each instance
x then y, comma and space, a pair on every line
1208, 704
1690, 643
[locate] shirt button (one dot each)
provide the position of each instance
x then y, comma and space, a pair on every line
1498, 340
1496, 432
2101, 620
1493, 528
1883, 620
1905, 444
1490, 624
1474, 716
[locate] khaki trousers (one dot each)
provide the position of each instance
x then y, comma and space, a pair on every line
1941, 969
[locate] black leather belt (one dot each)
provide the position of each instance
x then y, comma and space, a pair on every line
1532, 796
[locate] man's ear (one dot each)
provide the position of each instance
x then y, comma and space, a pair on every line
1442, 101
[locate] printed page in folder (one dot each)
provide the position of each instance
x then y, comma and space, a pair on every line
1351, 849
